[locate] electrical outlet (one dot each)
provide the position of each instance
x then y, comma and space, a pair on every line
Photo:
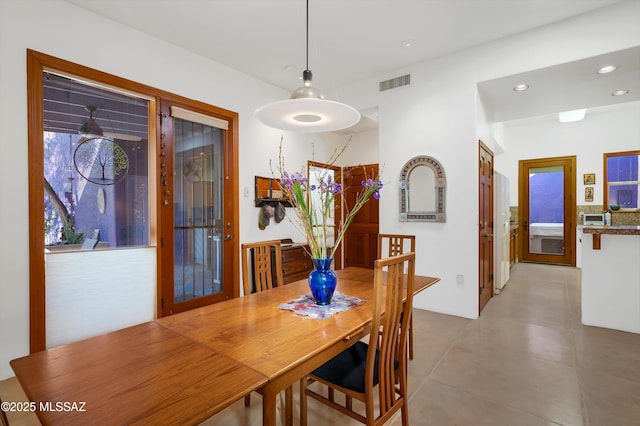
460, 280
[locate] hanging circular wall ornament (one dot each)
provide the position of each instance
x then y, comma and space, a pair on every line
101, 161
193, 171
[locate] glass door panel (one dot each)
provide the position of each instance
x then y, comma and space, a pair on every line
197, 210
546, 210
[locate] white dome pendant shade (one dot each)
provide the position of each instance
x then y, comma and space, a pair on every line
308, 115
307, 110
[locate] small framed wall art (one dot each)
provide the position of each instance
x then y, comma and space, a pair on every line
589, 178
588, 194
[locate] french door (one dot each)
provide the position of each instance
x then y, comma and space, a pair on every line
547, 210
196, 209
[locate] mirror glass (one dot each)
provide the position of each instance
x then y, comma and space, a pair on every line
421, 180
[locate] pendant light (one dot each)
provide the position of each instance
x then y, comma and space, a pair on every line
307, 110
90, 128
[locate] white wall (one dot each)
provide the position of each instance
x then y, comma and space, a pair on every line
98, 291
611, 129
436, 117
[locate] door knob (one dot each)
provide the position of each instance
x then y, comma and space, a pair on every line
488, 235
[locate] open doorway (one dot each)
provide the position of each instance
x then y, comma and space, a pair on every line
547, 210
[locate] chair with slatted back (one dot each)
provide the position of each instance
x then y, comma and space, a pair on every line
3, 417
398, 244
382, 363
259, 268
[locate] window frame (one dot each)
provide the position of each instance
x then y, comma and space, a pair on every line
605, 187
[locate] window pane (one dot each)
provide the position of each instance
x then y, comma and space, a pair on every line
622, 180
198, 211
96, 183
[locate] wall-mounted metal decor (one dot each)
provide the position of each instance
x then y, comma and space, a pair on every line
101, 160
422, 190
269, 192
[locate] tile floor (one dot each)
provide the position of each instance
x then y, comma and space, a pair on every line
526, 361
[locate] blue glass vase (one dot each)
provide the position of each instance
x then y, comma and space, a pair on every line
322, 281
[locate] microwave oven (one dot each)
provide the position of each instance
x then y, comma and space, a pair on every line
593, 219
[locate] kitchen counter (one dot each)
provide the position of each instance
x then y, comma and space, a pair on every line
597, 230
611, 277
611, 229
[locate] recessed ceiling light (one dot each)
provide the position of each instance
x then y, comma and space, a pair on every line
620, 92
569, 116
521, 87
407, 43
607, 69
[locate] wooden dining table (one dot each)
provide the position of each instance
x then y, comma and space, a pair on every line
141, 375
277, 343
184, 368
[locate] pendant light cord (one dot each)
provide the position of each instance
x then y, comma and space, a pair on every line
307, 35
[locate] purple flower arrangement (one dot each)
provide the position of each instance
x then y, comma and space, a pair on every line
313, 205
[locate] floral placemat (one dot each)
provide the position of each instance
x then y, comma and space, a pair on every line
307, 307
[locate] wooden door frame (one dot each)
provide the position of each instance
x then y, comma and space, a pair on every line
37, 64
569, 211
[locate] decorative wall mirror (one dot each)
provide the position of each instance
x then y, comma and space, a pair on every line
422, 190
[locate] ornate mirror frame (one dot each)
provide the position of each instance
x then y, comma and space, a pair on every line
438, 192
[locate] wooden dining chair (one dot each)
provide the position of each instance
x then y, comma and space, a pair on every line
262, 274
397, 244
382, 363
3, 417
260, 267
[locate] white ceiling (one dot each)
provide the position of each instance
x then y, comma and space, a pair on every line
354, 39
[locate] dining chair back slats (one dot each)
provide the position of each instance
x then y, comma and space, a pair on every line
385, 365
396, 244
261, 264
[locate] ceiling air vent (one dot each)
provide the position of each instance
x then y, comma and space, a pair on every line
394, 83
